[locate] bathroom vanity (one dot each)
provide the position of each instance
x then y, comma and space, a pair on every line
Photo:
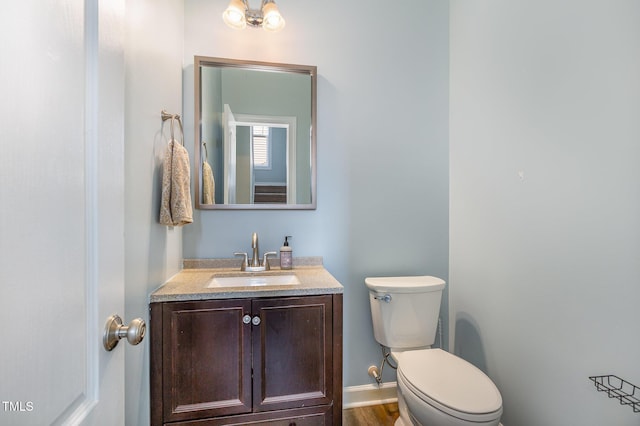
230, 347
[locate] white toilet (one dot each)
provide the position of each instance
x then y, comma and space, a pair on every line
435, 388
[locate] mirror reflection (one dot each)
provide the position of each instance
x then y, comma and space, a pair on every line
255, 135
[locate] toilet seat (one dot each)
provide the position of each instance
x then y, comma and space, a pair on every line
450, 384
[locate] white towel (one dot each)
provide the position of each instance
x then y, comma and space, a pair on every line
175, 207
208, 184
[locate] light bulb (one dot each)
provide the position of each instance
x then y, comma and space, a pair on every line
234, 15
272, 20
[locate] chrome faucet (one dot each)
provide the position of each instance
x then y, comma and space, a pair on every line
255, 260
254, 264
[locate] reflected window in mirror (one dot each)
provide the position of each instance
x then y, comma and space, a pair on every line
261, 142
258, 122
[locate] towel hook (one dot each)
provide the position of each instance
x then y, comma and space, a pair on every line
206, 154
166, 116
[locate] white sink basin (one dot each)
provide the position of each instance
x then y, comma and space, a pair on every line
253, 281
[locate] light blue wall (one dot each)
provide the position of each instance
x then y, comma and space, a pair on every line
545, 202
382, 146
153, 253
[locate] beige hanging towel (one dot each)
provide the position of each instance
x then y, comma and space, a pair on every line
208, 184
175, 206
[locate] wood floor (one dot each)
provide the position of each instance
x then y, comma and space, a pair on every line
382, 415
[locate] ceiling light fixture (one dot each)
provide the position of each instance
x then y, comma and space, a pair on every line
238, 14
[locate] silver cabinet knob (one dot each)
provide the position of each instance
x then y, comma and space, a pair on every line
246, 319
114, 331
255, 320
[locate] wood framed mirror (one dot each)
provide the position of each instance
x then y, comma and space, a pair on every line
255, 135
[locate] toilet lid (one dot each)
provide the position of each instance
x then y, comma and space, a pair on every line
411, 284
451, 381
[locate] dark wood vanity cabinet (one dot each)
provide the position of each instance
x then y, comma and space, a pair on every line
275, 361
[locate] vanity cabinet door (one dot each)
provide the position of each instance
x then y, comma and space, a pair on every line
292, 352
206, 359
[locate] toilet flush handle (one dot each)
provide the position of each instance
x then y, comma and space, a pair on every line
384, 298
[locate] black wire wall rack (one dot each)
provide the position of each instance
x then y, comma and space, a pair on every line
615, 387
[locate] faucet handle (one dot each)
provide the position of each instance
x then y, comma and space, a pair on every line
245, 260
265, 259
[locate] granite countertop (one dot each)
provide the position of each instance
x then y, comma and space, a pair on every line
191, 282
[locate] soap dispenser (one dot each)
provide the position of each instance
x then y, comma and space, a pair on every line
286, 254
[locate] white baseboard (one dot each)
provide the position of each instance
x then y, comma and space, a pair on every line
364, 395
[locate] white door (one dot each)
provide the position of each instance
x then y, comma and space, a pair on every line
61, 211
229, 148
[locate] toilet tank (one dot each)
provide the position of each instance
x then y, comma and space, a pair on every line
405, 310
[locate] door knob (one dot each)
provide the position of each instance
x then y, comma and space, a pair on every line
114, 331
